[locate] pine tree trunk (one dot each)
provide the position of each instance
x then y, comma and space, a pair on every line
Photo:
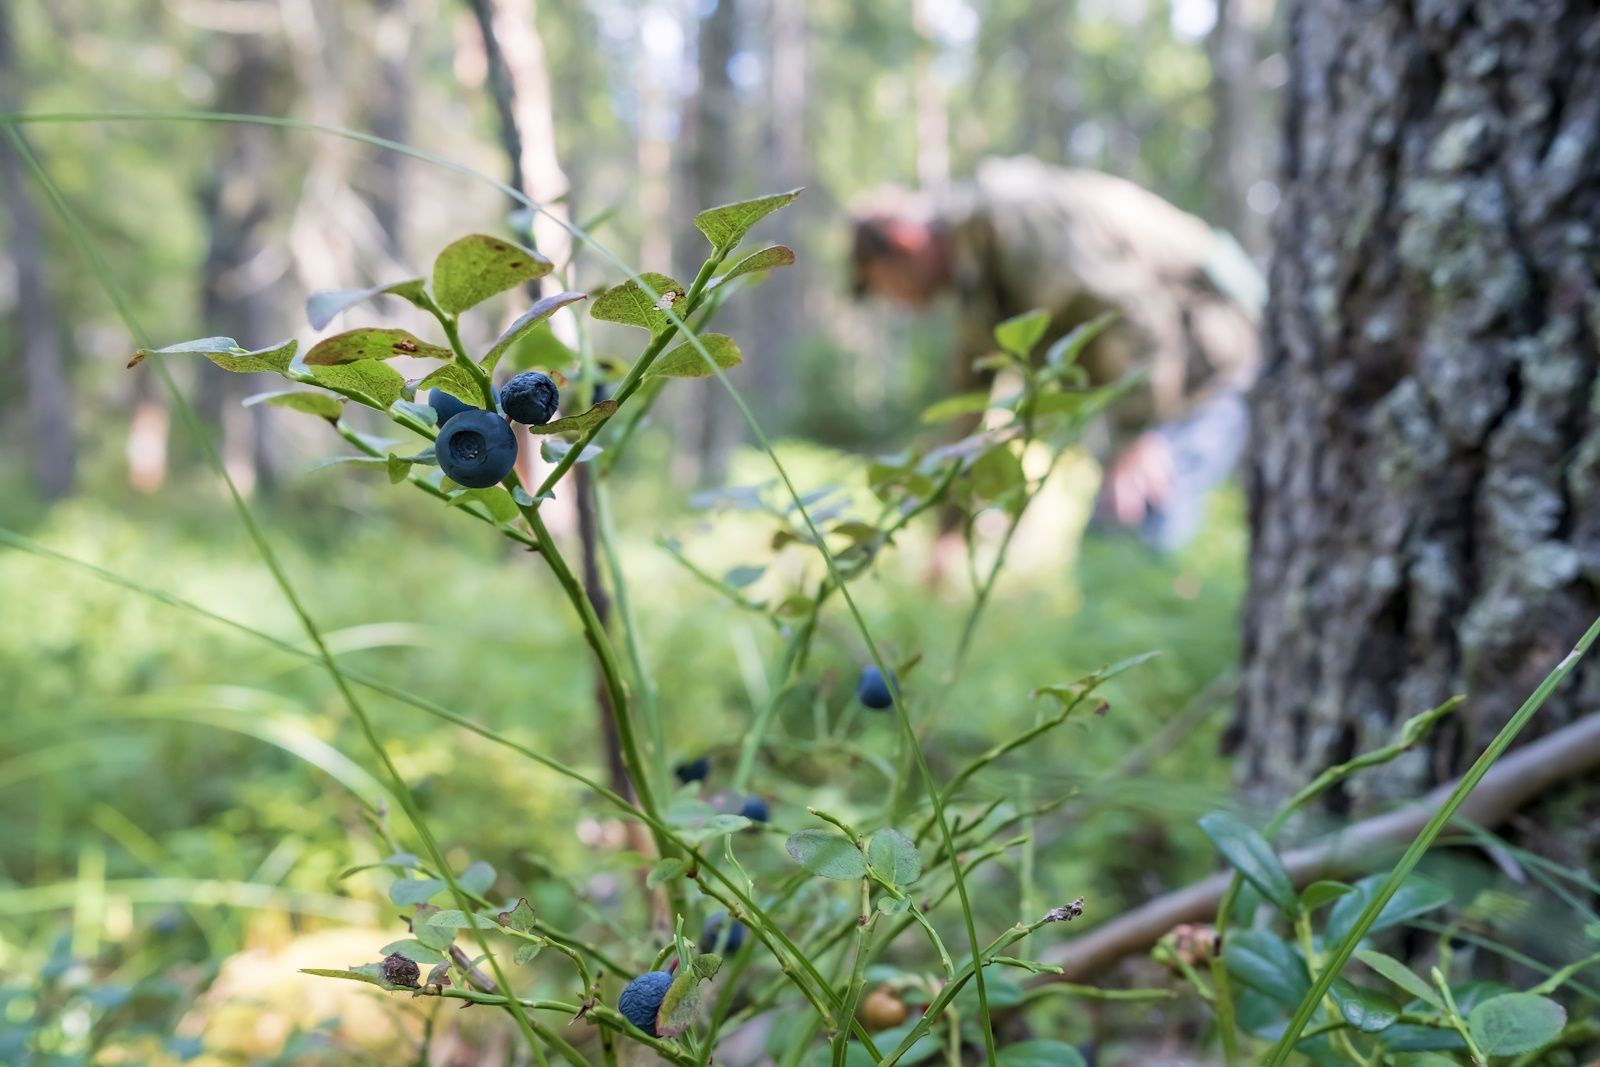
1425, 477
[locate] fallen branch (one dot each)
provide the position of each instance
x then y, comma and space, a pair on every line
1518, 778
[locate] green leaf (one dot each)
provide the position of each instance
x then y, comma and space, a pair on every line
739, 577
397, 468
1402, 976
666, 870
1416, 896
1267, 964
456, 380
1366, 1010
894, 856
423, 413
226, 353
1039, 1053
324, 304
404, 891
1317, 894
1020, 333
769, 258
519, 918
527, 951
319, 404
449, 919
996, 473
496, 501
369, 977
1065, 352
632, 306
348, 461
375, 342
685, 361
726, 226
474, 268
893, 905
579, 423
526, 321
554, 450
478, 876
681, 1004
1515, 1023
1252, 857
953, 407
707, 964
825, 853
432, 934
371, 381
413, 950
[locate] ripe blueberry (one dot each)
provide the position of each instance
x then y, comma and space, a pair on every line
694, 770
641, 999
476, 449
755, 809
713, 930
531, 397
445, 405
873, 689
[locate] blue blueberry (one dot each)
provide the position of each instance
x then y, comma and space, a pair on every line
531, 397
476, 449
755, 809
713, 930
874, 689
694, 770
641, 999
446, 405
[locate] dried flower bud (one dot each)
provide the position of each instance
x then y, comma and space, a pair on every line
1066, 913
397, 970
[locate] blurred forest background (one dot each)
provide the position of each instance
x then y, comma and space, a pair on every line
180, 800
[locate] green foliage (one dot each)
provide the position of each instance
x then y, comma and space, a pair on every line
726, 226
226, 353
353, 346
324, 306
630, 305
1515, 1023
473, 268
685, 361
827, 854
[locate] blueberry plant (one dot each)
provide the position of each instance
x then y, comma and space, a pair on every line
767, 937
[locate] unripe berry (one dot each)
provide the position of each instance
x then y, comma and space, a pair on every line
476, 449
641, 999
531, 397
882, 1009
874, 689
713, 930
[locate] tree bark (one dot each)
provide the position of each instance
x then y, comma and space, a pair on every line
1425, 468
49, 398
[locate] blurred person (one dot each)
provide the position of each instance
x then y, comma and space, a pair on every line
1076, 243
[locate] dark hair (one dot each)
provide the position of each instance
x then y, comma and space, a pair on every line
869, 241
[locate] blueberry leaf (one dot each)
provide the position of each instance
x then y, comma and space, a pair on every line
1020, 333
519, 918
1252, 857
475, 267
371, 381
825, 853
404, 891
666, 870
632, 306
413, 950
1065, 352
769, 258
324, 304
319, 404
579, 423
454, 379
226, 353
1515, 1023
353, 346
681, 1004
526, 321
527, 951
726, 226
685, 361
479, 876
894, 856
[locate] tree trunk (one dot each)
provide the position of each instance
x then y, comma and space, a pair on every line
1234, 160
49, 398
1425, 481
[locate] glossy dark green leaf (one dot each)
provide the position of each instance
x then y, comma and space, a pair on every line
1265, 962
1317, 894
475, 267
1402, 976
1366, 1010
1416, 896
1251, 856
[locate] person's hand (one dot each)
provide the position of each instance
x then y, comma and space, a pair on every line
1138, 479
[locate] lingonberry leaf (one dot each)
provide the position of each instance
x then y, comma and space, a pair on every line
1252, 857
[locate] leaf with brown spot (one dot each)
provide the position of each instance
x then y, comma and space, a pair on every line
354, 346
477, 266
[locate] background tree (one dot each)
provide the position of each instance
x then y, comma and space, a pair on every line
1426, 461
